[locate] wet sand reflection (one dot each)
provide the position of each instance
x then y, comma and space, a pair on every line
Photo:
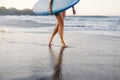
57, 63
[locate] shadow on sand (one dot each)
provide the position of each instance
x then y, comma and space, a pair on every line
56, 63
56, 60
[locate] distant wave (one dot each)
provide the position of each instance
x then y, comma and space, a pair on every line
101, 23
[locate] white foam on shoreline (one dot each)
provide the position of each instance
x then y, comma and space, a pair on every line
105, 33
5, 30
76, 24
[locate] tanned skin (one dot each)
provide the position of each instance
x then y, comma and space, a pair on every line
60, 24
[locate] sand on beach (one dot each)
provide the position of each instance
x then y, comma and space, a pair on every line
27, 56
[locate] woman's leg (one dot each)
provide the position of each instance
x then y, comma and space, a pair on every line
62, 15
54, 33
60, 21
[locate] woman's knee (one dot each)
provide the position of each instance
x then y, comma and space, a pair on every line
60, 20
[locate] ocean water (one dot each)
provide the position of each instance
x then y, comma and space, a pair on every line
96, 24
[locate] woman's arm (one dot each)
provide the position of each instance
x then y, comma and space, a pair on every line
50, 7
74, 11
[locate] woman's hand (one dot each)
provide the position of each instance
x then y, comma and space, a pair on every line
50, 7
50, 10
74, 11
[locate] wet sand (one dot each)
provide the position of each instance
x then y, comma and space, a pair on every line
26, 56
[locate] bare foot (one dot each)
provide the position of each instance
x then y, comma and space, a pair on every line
63, 44
50, 44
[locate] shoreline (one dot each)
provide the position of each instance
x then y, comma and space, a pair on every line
27, 56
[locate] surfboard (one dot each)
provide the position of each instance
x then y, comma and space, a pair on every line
41, 7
